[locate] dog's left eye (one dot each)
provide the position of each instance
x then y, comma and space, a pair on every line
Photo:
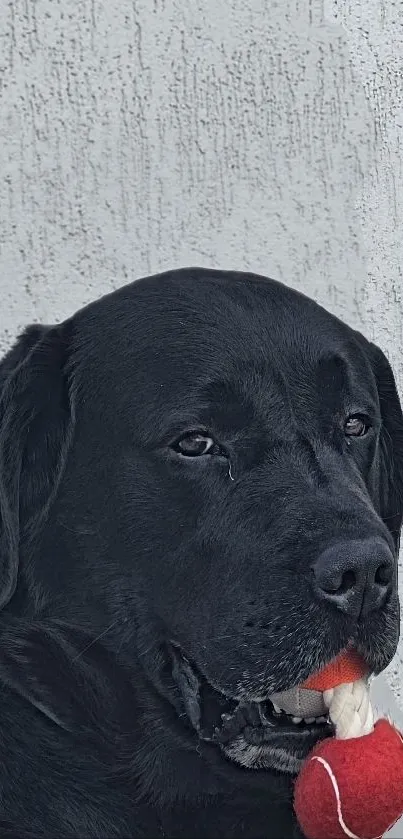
357, 426
195, 444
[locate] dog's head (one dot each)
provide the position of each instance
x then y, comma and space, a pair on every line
209, 468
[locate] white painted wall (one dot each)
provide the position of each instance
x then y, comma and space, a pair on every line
138, 135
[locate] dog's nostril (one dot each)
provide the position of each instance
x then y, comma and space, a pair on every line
348, 581
383, 575
344, 583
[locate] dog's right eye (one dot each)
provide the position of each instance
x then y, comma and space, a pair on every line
196, 444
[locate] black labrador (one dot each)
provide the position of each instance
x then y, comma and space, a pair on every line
201, 495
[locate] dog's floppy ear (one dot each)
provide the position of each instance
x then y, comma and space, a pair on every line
31, 335
391, 444
36, 424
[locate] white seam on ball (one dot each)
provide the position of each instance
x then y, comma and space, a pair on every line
335, 786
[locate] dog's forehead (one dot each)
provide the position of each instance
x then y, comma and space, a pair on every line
180, 332
198, 310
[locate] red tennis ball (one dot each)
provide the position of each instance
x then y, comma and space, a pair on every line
352, 787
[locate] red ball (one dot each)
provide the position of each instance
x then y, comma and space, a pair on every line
352, 787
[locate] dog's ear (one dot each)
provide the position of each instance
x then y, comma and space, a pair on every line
26, 341
36, 426
391, 444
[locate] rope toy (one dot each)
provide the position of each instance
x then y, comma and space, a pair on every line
350, 784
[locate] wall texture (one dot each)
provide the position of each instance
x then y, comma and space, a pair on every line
138, 135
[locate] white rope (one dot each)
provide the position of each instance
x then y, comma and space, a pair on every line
350, 709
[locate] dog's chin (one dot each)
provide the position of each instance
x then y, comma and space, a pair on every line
252, 734
274, 749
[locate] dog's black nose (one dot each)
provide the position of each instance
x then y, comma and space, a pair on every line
355, 576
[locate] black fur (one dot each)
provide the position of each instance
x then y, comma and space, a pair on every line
115, 551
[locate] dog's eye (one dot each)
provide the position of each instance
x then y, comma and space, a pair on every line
356, 426
195, 444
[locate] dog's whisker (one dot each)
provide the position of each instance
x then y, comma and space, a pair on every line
95, 640
223, 637
147, 650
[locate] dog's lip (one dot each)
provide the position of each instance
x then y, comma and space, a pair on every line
220, 718
257, 722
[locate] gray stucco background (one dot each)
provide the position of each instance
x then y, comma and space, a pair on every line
138, 135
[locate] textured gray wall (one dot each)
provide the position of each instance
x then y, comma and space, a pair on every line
138, 135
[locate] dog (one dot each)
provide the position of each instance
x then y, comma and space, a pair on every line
201, 497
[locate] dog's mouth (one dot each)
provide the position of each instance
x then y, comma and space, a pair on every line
253, 734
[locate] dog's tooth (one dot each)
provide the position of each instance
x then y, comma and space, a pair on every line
309, 720
296, 720
276, 708
320, 719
